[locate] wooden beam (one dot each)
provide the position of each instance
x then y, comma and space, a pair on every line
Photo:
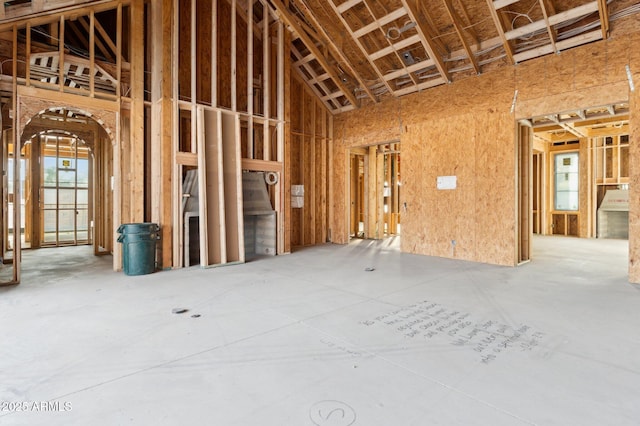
379, 23
548, 9
249, 82
290, 21
214, 53
137, 112
27, 59
429, 25
497, 20
348, 5
468, 26
47, 16
262, 165
361, 47
427, 42
92, 55
87, 27
460, 31
61, 55
603, 10
70, 99
266, 82
119, 51
104, 35
234, 59
17, 241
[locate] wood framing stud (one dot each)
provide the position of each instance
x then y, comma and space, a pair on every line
604, 18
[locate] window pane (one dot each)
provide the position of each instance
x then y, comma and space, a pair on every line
67, 198
49, 171
50, 198
83, 173
67, 179
567, 180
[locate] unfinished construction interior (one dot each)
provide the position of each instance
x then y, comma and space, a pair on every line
255, 131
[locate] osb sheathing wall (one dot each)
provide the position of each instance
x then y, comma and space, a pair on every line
467, 129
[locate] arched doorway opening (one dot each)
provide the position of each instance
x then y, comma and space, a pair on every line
64, 187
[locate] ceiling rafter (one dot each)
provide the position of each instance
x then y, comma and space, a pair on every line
408, 70
335, 51
498, 20
317, 82
427, 43
459, 27
429, 28
566, 126
604, 18
339, 13
468, 27
293, 23
548, 9
105, 51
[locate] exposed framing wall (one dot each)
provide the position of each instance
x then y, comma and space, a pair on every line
467, 130
310, 165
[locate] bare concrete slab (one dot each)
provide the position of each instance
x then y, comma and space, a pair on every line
331, 335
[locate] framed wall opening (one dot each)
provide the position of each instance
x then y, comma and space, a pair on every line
579, 173
63, 187
374, 191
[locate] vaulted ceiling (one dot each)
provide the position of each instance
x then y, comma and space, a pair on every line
353, 52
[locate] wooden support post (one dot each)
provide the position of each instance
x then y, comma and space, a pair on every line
61, 55
280, 188
354, 173
162, 153
250, 96
379, 195
136, 164
525, 201
266, 83
234, 59
371, 178
194, 93
92, 54
27, 59
330, 187
214, 53
119, 51
323, 177
285, 147
17, 241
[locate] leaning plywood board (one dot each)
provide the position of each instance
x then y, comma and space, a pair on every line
232, 187
212, 251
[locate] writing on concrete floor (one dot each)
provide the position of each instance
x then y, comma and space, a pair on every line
434, 322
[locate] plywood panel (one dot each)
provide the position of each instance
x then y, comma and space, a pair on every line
232, 187
590, 65
634, 187
212, 221
559, 73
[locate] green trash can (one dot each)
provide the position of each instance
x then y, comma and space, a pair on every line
138, 247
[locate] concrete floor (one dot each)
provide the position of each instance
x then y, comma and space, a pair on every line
314, 338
